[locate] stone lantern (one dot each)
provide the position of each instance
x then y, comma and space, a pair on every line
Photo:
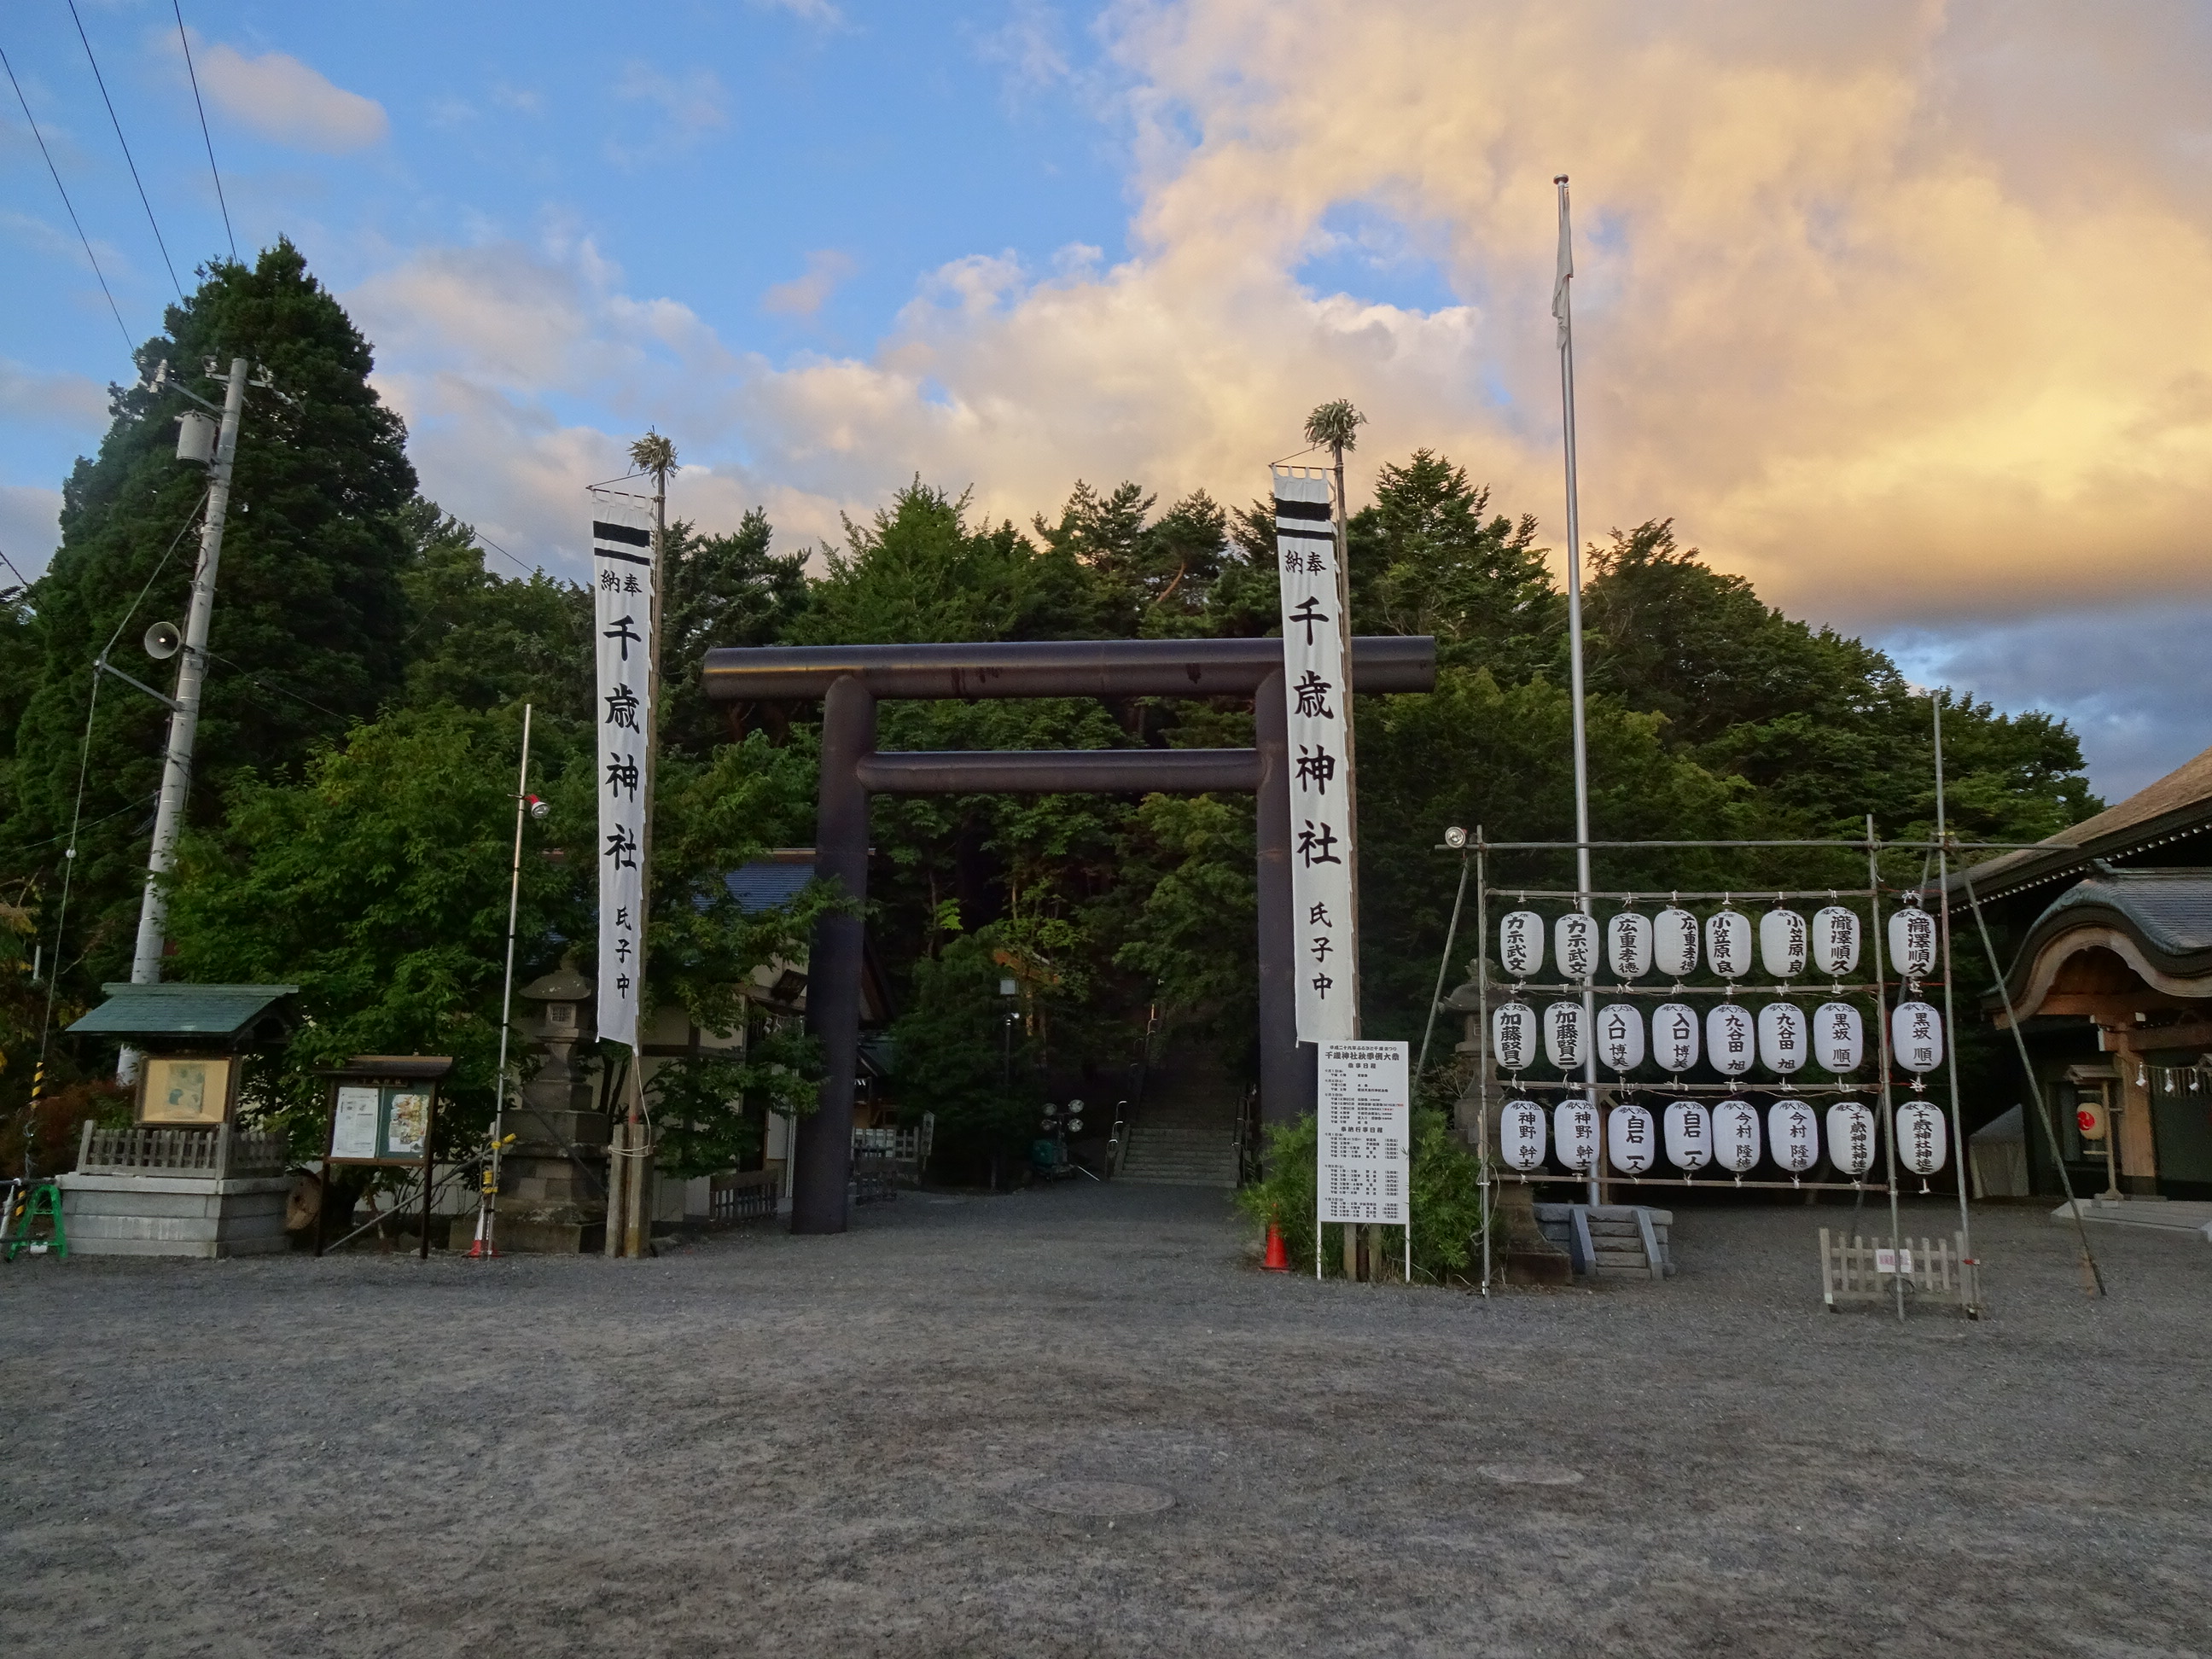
552, 1195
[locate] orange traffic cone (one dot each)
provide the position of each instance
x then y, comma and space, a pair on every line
1278, 1258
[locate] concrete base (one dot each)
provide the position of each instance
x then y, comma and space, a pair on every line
2158, 1214
174, 1215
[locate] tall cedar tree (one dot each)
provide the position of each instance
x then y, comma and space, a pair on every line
310, 618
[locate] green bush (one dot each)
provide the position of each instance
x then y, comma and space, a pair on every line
1447, 1198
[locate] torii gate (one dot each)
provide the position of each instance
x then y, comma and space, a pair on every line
849, 679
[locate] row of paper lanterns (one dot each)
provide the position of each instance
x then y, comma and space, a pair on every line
1636, 944
1779, 1036
1728, 1134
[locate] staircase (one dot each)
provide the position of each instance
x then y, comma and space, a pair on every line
1186, 1130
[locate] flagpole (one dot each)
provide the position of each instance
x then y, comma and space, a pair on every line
1563, 308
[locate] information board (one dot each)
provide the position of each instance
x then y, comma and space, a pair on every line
373, 1124
1366, 1165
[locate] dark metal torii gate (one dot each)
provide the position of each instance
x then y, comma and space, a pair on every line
850, 679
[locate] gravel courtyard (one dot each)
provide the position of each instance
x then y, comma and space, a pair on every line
1079, 1422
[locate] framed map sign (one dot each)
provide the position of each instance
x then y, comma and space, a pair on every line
181, 1091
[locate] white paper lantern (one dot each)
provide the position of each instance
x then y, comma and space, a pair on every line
1629, 1140
1689, 1136
1521, 1134
1675, 942
1735, 1135
1916, 1036
1574, 945
1521, 943
1620, 1037
1563, 1035
1513, 1036
1850, 1138
1783, 941
1728, 943
1836, 940
1838, 1037
1628, 945
1731, 1039
1920, 1141
1574, 1132
1674, 1036
1793, 1134
1782, 1045
1912, 943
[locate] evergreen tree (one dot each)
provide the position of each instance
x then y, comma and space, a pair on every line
310, 616
720, 590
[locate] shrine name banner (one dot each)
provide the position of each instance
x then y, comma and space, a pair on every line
621, 588
1316, 685
1365, 1171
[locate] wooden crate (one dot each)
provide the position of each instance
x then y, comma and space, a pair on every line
1937, 1272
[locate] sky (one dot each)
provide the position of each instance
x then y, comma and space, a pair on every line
1898, 309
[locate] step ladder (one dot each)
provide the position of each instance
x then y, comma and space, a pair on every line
42, 1201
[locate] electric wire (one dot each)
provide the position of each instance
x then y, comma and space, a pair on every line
184, 40
13, 565
502, 551
70, 206
129, 160
155, 577
279, 690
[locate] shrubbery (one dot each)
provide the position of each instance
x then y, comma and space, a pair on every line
1447, 1198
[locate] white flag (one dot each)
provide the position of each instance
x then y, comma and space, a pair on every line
1565, 273
621, 623
1316, 690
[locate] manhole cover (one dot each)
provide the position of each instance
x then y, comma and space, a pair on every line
1098, 1497
1530, 1474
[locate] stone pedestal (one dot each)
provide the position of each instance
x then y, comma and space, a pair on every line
174, 1215
552, 1188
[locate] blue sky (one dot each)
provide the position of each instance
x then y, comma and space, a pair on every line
1899, 315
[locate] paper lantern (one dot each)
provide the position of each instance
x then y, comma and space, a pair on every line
1836, 940
1793, 1135
1563, 1035
1838, 1037
1850, 1138
1629, 1140
1782, 1045
1689, 1136
1521, 1134
1619, 1037
1921, 1141
1674, 1036
1574, 945
1521, 943
1728, 943
1735, 1135
1513, 1036
1628, 945
1912, 943
1574, 1132
1916, 1036
1731, 1039
1783, 940
1675, 942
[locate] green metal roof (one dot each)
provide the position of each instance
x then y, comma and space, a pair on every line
222, 1013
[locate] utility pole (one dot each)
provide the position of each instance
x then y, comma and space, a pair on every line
191, 672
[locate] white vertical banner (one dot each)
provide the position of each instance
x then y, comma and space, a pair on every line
622, 626
1366, 1165
1316, 690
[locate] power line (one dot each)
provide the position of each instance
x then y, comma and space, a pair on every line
13, 565
183, 41
128, 348
125, 142
502, 551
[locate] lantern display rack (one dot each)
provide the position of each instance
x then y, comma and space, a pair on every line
1855, 969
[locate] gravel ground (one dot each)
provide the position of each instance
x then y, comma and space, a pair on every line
1078, 1421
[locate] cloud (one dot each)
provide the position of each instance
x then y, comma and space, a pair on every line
30, 529
802, 296
691, 105
1027, 46
284, 101
1897, 310
807, 11
70, 400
